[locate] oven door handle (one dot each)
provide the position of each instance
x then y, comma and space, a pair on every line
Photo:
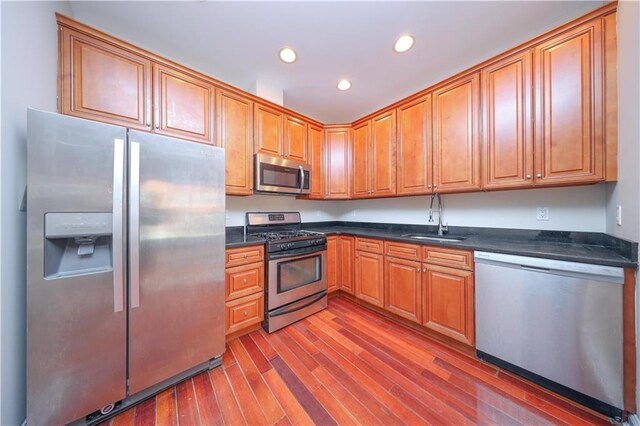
288, 309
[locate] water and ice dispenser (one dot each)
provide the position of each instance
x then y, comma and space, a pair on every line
77, 244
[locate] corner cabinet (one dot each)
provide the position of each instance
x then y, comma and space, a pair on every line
456, 143
333, 264
316, 161
569, 146
336, 160
103, 82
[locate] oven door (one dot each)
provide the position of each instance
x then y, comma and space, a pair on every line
275, 174
295, 277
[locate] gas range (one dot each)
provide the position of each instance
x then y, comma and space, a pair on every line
281, 231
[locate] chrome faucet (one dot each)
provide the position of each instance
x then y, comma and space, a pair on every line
441, 228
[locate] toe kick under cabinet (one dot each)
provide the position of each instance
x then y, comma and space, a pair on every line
244, 289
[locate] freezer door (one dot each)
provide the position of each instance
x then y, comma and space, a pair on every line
76, 321
176, 255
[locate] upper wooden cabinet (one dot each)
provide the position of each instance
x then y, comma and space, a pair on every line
336, 160
569, 145
374, 157
268, 130
507, 117
456, 147
316, 161
414, 166
183, 105
295, 139
100, 81
235, 135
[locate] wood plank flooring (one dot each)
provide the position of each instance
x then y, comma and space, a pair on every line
349, 365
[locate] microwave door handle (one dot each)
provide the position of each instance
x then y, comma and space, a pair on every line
301, 178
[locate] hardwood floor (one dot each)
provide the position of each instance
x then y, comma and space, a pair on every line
349, 365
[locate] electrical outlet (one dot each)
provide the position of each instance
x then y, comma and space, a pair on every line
542, 213
619, 215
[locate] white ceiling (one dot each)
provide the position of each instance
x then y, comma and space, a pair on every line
238, 42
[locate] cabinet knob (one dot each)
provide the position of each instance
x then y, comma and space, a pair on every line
435, 185
528, 176
245, 280
429, 186
539, 175
245, 255
148, 123
418, 269
245, 313
424, 270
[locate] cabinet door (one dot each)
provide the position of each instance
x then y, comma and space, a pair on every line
268, 130
295, 139
414, 172
235, 135
569, 110
316, 143
336, 164
447, 300
403, 288
347, 257
183, 105
333, 264
383, 154
101, 82
370, 277
361, 180
455, 134
507, 117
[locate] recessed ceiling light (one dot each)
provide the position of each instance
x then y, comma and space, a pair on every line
288, 55
403, 43
344, 85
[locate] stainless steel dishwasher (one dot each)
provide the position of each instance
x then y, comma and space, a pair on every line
554, 322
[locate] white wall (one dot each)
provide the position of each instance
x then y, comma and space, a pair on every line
626, 192
311, 211
571, 209
29, 72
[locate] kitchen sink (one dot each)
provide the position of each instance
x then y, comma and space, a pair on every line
439, 238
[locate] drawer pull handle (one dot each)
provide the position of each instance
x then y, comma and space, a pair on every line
418, 269
245, 313
424, 270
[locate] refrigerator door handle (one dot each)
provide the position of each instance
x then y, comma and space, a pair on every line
118, 225
134, 225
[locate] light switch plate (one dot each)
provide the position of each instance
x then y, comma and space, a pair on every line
542, 213
619, 215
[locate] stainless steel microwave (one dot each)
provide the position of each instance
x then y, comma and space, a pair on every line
278, 175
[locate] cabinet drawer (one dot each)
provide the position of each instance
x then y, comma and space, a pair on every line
448, 257
367, 244
244, 312
402, 250
244, 280
244, 255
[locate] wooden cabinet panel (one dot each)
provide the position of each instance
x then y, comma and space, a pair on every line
569, 114
369, 244
403, 289
235, 135
316, 143
244, 280
244, 255
333, 264
361, 179
403, 250
383, 154
369, 274
244, 312
455, 134
268, 130
447, 300
347, 258
414, 171
448, 257
336, 183
611, 95
99, 81
295, 139
183, 105
507, 116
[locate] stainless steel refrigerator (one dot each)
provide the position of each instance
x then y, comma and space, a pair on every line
125, 272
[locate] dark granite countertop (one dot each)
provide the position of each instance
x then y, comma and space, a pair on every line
586, 247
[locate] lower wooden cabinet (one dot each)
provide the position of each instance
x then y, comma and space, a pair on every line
244, 289
403, 289
447, 302
369, 273
340, 256
244, 312
333, 267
